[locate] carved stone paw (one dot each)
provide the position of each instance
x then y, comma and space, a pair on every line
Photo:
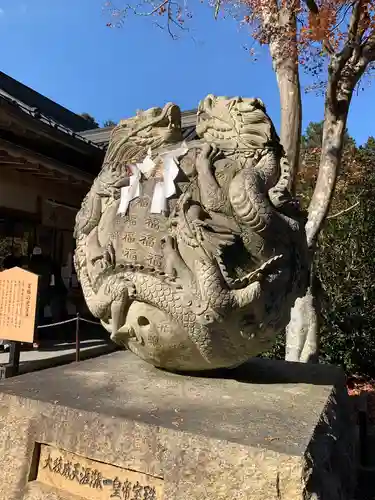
109, 256
286, 204
122, 182
207, 157
168, 246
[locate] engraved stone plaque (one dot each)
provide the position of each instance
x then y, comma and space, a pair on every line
94, 480
18, 294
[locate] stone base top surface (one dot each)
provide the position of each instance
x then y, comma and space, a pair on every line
277, 406
255, 432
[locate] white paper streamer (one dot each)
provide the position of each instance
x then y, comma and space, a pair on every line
147, 166
128, 193
163, 189
159, 201
167, 188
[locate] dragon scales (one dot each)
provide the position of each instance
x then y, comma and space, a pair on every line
208, 281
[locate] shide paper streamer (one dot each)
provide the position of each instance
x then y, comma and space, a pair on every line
163, 190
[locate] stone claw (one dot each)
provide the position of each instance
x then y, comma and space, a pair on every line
109, 256
122, 337
121, 183
168, 246
207, 157
167, 243
263, 271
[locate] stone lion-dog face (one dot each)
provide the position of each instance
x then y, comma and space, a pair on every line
159, 122
235, 122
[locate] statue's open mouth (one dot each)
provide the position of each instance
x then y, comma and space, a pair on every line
174, 116
267, 268
170, 119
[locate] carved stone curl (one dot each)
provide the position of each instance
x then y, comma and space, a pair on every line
210, 281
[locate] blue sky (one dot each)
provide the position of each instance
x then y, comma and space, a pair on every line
63, 49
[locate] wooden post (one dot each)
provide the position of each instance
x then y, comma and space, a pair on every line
14, 358
77, 339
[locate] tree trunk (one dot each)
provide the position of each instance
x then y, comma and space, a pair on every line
291, 116
330, 161
283, 50
345, 70
302, 333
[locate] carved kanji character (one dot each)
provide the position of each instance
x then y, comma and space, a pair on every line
75, 472
116, 487
149, 493
137, 491
85, 476
67, 467
96, 480
58, 465
126, 490
48, 462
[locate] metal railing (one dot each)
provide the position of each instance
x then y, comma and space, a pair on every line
11, 369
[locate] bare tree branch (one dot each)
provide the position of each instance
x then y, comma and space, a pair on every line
153, 11
354, 22
343, 17
341, 212
368, 49
314, 9
312, 6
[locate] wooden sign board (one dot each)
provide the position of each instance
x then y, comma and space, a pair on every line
92, 480
18, 296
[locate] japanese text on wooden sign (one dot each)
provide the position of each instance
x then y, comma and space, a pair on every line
18, 296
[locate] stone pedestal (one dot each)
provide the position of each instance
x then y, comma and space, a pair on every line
117, 428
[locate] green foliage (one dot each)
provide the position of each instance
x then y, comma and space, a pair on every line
346, 267
277, 351
345, 258
367, 152
109, 123
90, 119
313, 136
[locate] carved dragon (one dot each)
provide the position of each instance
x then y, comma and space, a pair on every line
129, 142
242, 130
236, 195
250, 181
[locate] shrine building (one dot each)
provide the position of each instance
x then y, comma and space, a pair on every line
49, 157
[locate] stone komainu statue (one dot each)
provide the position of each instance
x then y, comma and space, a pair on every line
209, 280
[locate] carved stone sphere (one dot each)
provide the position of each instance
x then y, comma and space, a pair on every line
151, 335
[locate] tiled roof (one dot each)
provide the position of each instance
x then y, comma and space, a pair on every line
59, 118
28, 97
100, 136
35, 113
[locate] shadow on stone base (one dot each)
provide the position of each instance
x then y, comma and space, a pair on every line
115, 425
